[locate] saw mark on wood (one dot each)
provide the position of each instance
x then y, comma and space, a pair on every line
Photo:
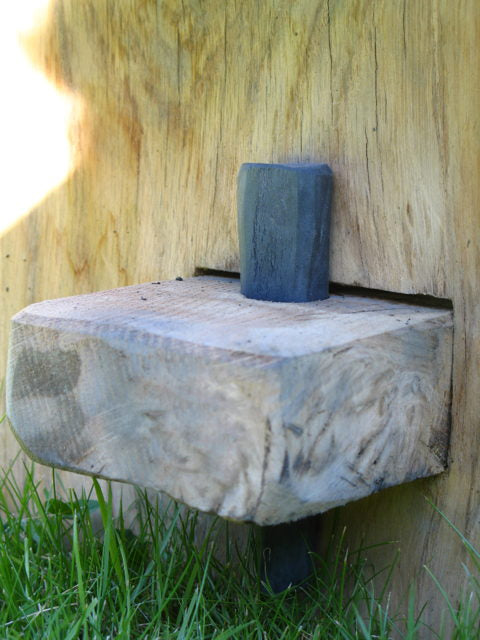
48, 374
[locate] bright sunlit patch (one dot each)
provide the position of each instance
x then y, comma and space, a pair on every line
35, 153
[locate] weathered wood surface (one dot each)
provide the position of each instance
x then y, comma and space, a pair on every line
177, 95
258, 411
284, 231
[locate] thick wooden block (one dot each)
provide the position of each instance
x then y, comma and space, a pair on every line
284, 231
257, 411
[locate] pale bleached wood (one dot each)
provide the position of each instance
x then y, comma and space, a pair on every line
178, 95
257, 411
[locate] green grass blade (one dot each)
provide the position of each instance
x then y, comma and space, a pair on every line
78, 565
110, 539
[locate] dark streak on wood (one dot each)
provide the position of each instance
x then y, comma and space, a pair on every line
266, 458
285, 473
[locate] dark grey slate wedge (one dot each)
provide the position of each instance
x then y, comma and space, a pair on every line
284, 230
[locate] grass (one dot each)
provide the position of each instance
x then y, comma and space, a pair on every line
60, 579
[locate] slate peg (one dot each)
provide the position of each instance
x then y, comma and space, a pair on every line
287, 553
284, 229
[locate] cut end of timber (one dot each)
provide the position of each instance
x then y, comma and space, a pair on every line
257, 411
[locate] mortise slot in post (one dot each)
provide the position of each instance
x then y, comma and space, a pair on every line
408, 298
217, 273
340, 289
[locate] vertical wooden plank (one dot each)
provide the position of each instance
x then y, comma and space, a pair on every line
390, 159
443, 99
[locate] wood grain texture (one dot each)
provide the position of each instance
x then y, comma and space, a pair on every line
178, 95
258, 411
